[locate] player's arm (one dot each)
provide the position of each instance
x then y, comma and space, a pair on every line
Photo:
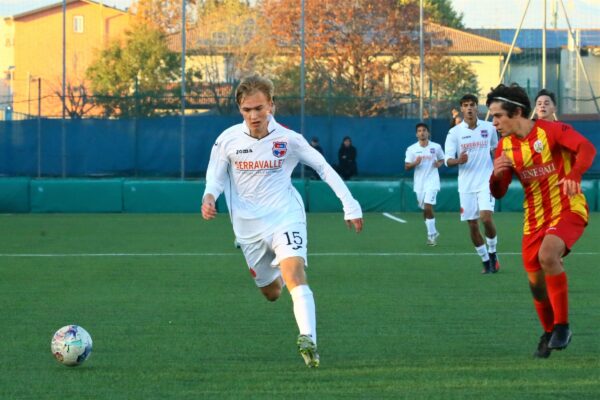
451, 149
502, 174
410, 161
311, 157
216, 176
440, 157
584, 152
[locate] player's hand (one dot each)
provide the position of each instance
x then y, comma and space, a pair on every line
357, 223
209, 209
463, 158
502, 164
418, 161
570, 187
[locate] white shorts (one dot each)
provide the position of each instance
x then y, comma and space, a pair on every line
263, 256
427, 197
471, 204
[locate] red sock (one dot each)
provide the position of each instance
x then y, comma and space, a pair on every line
558, 293
545, 314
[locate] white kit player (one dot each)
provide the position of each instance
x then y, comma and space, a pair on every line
425, 157
252, 163
469, 145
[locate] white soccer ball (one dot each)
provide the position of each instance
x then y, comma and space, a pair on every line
71, 345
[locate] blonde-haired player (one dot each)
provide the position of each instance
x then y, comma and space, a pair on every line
252, 163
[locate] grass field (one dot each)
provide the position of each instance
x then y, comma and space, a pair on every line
174, 314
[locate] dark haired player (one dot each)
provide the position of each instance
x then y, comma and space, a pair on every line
469, 145
549, 159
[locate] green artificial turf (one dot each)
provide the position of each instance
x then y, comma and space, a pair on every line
174, 313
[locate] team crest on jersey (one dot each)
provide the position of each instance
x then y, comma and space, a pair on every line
432, 151
279, 149
538, 146
484, 133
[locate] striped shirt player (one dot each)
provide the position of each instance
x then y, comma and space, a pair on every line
425, 157
469, 145
540, 161
252, 163
549, 159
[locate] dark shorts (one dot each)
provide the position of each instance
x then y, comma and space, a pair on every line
569, 228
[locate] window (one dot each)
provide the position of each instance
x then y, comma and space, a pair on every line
78, 24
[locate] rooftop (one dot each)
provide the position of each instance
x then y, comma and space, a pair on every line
532, 38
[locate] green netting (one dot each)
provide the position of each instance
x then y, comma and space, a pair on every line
14, 195
116, 195
373, 196
162, 196
76, 195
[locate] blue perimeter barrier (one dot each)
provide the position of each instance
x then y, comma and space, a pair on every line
152, 147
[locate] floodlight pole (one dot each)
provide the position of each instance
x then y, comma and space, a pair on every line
64, 84
182, 124
39, 128
421, 62
544, 48
302, 75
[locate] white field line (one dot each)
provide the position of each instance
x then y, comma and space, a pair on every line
349, 254
390, 216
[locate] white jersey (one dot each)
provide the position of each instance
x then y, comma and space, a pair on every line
474, 175
255, 175
426, 177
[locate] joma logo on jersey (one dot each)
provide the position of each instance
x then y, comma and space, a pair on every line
243, 151
466, 137
279, 149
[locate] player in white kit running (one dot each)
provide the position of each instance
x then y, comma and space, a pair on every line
469, 145
425, 157
252, 163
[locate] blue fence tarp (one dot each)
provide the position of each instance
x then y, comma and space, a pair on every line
152, 147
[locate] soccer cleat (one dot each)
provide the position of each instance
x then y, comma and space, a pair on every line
494, 263
432, 239
487, 267
236, 244
543, 351
561, 337
308, 350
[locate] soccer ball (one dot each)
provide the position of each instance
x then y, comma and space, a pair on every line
71, 345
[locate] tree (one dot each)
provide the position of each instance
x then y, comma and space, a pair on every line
442, 12
78, 101
450, 80
133, 79
164, 15
227, 44
357, 46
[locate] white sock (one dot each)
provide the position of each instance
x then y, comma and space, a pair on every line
430, 224
304, 311
483, 252
492, 242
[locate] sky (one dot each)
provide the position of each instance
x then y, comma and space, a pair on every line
476, 13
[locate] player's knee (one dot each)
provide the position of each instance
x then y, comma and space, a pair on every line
272, 295
548, 260
486, 219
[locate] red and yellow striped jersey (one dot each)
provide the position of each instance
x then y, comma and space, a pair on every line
540, 160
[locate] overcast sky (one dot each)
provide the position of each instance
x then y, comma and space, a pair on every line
477, 13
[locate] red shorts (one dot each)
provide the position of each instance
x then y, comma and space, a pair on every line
569, 228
